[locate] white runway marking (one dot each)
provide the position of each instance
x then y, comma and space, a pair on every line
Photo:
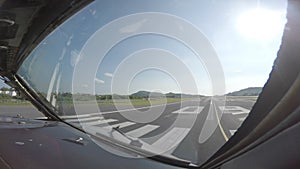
128, 110
244, 110
185, 110
84, 119
235, 110
171, 139
74, 116
232, 132
124, 124
142, 131
237, 113
242, 119
99, 122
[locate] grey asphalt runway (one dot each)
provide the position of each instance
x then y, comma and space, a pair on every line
196, 128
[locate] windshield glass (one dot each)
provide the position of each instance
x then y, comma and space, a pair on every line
14, 104
172, 77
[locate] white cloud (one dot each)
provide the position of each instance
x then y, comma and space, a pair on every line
108, 74
99, 81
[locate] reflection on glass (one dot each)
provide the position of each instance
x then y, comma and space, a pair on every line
146, 74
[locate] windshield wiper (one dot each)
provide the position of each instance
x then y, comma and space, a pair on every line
133, 142
135, 146
45, 107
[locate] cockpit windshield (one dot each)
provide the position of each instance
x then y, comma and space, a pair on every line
175, 78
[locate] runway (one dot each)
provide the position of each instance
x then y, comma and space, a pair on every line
182, 128
192, 130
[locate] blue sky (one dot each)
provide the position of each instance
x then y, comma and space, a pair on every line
246, 56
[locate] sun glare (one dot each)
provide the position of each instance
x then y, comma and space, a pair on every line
261, 24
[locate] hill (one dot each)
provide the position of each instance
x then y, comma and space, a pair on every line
250, 91
146, 94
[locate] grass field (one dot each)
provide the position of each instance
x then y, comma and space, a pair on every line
121, 102
250, 98
142, 102
13, 102
124, 102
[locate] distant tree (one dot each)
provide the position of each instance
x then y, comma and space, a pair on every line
5, 89
5, 96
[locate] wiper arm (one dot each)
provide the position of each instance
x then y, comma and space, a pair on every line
133, 142
47, 109
136, 147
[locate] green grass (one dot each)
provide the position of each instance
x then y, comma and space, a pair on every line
120, 102
142, 102
14, 102
251, 98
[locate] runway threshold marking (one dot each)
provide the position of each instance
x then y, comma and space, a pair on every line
134, 109
171, 138
139, 108
234, 110
74, 116
142, 130
122, 125
197, 109
232, 132
242, 118
237, 113
84, 119
99, 122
